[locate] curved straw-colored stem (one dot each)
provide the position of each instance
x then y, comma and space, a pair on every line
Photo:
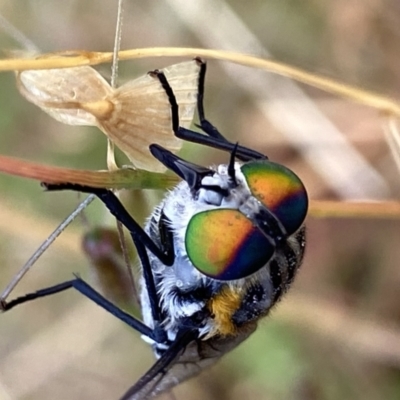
79, 58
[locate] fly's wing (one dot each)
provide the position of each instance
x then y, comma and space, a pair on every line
60, 92
141, 113
175, 367
133, 116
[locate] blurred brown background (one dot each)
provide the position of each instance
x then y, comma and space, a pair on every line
337, 333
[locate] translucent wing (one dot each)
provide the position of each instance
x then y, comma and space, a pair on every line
133, 116
184, 359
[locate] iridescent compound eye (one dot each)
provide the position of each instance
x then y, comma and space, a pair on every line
280, 190
223, 244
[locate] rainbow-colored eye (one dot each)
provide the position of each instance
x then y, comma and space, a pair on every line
223, 244
280, 190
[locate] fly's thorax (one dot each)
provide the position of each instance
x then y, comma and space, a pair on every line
235, 194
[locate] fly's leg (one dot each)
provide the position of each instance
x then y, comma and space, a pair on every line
214, 138
205, 125
8, 305
85, 289
141, 240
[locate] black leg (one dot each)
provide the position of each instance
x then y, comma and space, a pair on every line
139, 237
82, 287
205, 125
8, 305
242, 153
85, 289
191, 173
214, 138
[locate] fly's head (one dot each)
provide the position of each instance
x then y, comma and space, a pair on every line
232, 220
237, 236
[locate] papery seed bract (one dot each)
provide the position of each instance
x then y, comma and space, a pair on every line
133, 116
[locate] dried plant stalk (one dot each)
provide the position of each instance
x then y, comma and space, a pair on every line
80, 58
